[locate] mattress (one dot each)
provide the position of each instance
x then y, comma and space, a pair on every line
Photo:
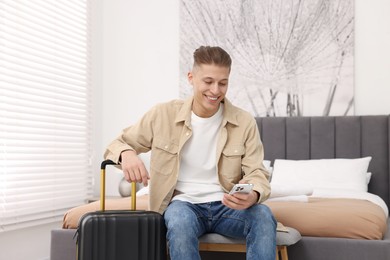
332, 217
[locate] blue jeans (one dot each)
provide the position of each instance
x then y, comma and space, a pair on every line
186, 222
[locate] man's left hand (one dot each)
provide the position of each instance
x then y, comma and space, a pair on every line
240, 201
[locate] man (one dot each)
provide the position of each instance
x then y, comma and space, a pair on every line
200, 148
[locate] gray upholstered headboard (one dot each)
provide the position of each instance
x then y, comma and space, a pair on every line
302, 138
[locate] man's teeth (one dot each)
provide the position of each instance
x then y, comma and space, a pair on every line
212, 98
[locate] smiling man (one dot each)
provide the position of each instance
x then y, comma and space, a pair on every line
200, 148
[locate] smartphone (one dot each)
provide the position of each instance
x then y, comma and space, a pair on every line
243, 188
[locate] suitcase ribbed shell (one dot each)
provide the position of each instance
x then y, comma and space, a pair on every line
120, 235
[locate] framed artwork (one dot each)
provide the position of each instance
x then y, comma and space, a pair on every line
290, 57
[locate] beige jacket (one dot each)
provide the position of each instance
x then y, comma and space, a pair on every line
166, 128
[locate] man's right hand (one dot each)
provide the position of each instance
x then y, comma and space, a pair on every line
134, 168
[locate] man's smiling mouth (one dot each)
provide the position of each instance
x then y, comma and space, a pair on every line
212, 98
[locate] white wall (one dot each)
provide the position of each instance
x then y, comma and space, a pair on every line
140, 62
372, 57
140, 59
135, 56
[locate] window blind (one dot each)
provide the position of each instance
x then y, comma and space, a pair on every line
45, 110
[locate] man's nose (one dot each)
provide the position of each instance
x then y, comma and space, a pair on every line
214, 88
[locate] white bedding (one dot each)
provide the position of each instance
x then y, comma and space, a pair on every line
332, 193
298, 198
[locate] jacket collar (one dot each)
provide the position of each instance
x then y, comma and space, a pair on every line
229, 112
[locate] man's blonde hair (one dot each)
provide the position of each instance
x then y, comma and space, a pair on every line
212, 55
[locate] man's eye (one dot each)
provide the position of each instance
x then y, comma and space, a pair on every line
208, 82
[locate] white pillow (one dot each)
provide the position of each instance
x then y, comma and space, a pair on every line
368, 177
278, 190
346, 174
267, 164
268, 167
143, 191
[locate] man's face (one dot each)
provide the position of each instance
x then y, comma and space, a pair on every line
210, 83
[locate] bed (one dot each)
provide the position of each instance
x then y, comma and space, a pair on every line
310, 138
344, 212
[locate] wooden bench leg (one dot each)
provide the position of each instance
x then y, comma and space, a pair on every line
283, 253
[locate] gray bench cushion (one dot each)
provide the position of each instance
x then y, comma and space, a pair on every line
282, 238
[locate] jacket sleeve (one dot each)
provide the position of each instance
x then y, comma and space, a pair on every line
252, 163
137, 137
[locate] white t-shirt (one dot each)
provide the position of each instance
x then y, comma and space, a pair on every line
198, 178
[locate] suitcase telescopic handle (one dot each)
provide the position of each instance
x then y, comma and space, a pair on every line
103, 187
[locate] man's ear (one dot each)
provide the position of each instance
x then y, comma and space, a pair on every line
190, 77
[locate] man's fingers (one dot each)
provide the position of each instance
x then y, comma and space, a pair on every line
135, 175
145, 180
133, 168
236, 201
233, 202
144, 176
129, 176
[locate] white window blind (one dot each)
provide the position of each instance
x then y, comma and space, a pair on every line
45, 115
